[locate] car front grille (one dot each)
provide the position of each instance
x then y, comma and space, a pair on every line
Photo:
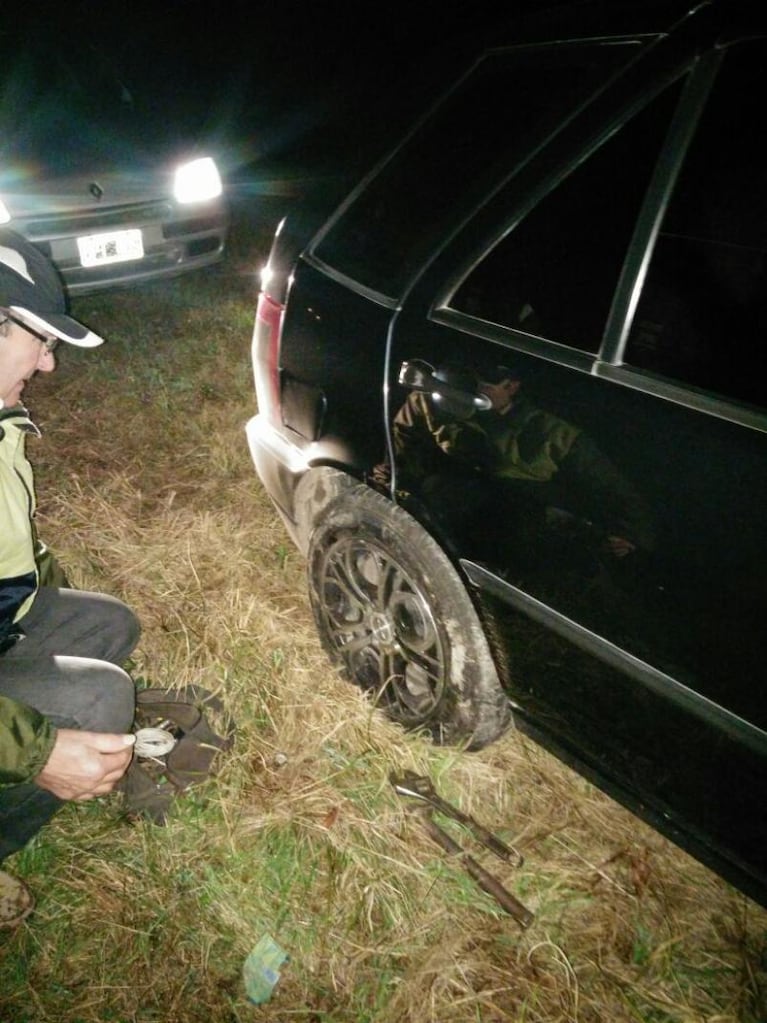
91, 223
193, 225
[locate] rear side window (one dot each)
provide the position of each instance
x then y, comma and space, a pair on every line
501, 111
702, 315
554, 274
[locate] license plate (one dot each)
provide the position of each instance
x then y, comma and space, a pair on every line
112, 247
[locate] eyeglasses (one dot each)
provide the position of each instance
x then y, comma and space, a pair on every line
48, 343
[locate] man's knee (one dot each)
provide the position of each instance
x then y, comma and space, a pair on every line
109, 627
128, 632
77, 623
101, 696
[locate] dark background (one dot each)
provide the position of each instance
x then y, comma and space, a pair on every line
289, 95
294, 98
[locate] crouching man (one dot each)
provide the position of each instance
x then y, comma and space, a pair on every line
66, 705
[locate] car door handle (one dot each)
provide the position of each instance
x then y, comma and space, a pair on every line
420, 376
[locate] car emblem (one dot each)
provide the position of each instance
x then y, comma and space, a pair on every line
95, 189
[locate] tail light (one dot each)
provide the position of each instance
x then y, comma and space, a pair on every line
266, 355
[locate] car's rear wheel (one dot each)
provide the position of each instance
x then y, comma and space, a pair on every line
393, 613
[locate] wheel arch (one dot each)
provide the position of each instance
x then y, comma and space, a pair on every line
318, 487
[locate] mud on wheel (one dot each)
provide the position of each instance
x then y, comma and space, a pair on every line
393, 613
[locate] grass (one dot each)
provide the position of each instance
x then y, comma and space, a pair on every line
147, 491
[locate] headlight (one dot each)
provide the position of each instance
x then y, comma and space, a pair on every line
4, 214
197, 181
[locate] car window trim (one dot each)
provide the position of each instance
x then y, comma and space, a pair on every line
655, 204
513, 338
576, 359
351, 283
690, 397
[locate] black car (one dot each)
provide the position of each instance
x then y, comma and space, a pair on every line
510, 407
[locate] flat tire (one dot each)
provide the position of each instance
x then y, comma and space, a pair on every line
394, 614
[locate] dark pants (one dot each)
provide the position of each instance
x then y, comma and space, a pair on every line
66, 667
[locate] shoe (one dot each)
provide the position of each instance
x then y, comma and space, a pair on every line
16, 901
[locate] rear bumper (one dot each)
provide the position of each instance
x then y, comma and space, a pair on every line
279, 465
298, 479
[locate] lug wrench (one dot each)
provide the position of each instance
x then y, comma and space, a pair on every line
422, 789
419, 787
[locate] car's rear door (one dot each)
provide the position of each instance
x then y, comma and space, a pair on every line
625, 291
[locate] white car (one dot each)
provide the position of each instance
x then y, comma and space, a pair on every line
83, 177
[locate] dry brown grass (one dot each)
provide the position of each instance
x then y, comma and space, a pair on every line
148, 492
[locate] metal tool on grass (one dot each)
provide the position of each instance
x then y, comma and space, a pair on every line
421, 788
418, 786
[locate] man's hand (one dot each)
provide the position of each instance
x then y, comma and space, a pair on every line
84, 765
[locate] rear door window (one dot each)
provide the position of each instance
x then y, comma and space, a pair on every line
702, 315
555, 272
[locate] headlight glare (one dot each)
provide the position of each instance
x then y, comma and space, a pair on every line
4, 214
197, 181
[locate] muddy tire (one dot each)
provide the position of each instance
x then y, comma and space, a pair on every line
394, 615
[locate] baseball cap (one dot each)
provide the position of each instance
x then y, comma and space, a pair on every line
492, 373
31, 291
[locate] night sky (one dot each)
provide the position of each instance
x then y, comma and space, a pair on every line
291, 89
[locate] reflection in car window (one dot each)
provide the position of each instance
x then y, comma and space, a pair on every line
702, 316
506, 106
555, 273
